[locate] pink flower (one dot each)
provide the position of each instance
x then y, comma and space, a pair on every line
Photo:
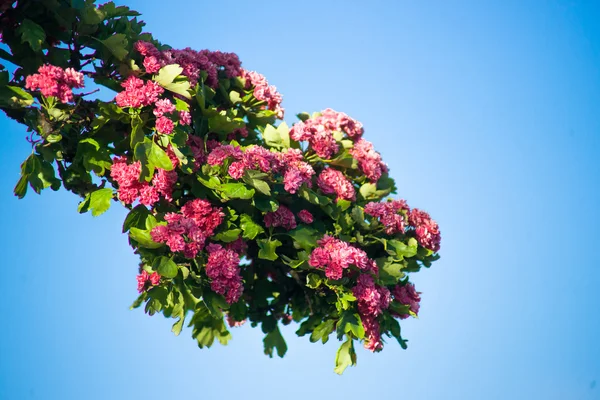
372, 300
164, 125
185, 118
305, 216
389, 215
332, 181
137, 93
54, 81
146, 280
233, 323
223, 269
163, 106
220, 153
151, 64
407, 295
369, 161
335, 255
282, 217
427, 230
264, 92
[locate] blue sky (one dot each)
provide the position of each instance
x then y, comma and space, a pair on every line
488, 114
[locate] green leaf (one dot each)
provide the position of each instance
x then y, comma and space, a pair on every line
274, 340
137, 132
398, 248
313, 280
251, 229
143, 238
117, 45
92, 15
167, 74
345, 356
260, 185
215, 303
303, 116
228, 236
236, 190
21, 187
267, 249
98, 201
343, 204
165, 266
159, 158
350, 322
136, 218
306, 237
265, 204
390, 272
322, 331
32, 33
278, 138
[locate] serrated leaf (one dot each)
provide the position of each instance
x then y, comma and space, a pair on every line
313, 280
350, 323
229, 235
251, 229
236, 190
32, 33
165, 266
345, 356
267, 249
117, 45
100, 201
167, 74
322, 331
274, 339
306, 237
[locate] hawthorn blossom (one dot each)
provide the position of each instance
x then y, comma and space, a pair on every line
54, 81
187, 231
281, 217
407, 295
127, 176
332, 181
318, 131
233, 323
389, 215
193, 62
162, 107
137, 93
426, 229
223, 269
146, 280
185, 118
264, 92
305, 216
164, 125
369, 161
335, 255
372, 300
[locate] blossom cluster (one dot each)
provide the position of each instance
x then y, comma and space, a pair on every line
138, 93
187, 231
332, 181
369, 161
335, 255
407, 295
372, 300
389, 215
193, 62
264, 92
289, 164
318, 131
223, 269
127, 176
55, 81
146, 280
426, 229
281, 217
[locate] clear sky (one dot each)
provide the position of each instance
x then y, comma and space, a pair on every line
488, 114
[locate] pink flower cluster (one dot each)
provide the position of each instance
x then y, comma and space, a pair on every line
193, 62
388, 214
289, 164
137, 93
336, 255
332, 181
369, 161
146, 280
306, 217
282, 217
407, 295
372, 300
54, 81
318, 131
426, 229
264, 92
196, 222
223, 269
197, 146
130, 187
